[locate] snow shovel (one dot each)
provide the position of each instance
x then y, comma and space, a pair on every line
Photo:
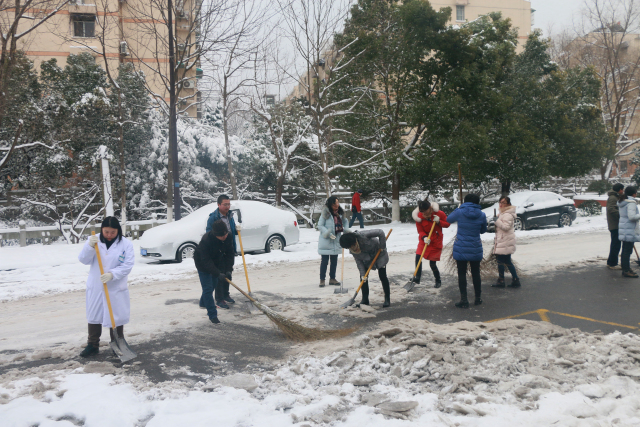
342, 290
118, 344
411, 283
364, 279
247, 304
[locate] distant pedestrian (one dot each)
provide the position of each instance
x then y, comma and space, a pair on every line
364, 246
628, 228
224, 214
356, 209
214, 258
613, 218
426, 215
467, 248
332, 224
117, 260
504, 244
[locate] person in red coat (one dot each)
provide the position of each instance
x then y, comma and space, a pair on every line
426, 215
356, 209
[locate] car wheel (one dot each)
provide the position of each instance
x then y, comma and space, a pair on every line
274, 243
185, 251
518, 224
565, 220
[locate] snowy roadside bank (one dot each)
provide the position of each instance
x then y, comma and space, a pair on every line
407, 372
37, 270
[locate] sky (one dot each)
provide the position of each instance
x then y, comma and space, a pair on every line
554, 15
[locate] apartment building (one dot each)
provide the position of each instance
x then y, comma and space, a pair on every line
132, 31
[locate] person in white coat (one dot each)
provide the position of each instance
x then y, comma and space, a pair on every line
628, 228
117, 261
505, 243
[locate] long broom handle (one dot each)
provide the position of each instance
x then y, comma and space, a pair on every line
246, 274
424, 250
106, 290
364, 279
240, 290
634, 248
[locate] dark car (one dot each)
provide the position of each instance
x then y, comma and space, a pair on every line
537, 209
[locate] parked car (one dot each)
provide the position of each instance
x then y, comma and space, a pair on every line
537, 209
264, 228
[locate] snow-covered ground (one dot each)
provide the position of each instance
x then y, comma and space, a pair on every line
37, 269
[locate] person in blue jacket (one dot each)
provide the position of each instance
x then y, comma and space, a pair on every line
224, 213
331, 224
467, 248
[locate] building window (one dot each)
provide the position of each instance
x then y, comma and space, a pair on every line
459, 13
84, 25
623, 166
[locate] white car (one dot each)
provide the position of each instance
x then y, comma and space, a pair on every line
264, 228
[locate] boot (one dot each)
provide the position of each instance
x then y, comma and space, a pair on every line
334, 282
89, 350
478, 301
629, 273
515, 283
499, 283
438, 284
322, 283
463, 303
387, 294
365, 293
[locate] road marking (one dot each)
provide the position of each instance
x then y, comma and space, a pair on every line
543, 313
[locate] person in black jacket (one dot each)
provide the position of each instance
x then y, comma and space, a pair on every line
214, 258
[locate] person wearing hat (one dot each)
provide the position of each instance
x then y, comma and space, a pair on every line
356, 209
214, 257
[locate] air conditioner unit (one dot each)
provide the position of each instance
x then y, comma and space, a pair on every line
187, 84
124, 48
181, 47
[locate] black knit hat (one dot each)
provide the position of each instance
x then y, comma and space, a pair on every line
219, 228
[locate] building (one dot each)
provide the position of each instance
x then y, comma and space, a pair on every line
132, 31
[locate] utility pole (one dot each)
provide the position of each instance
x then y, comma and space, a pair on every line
173, 131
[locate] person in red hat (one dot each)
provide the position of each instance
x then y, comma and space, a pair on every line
425, 215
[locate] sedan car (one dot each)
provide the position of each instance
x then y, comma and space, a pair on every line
537, 209
264, 228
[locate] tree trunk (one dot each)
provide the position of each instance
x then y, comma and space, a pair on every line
232, 177
279, 190
123, 201
506, 187
395, 198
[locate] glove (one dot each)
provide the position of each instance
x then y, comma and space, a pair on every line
238, 227
223, 277
106, 277
332, 237
93, 240
436, 219
228, 274
427, 240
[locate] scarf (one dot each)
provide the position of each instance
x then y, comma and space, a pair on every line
337, 222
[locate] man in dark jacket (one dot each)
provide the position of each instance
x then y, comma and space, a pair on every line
225, 214
613, 217
214, 258
364, 246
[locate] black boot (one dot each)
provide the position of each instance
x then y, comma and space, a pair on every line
478, 301
89, 350
463, 303
387, 292
365, 293
515, 283
499, 283
387, 301
438, 283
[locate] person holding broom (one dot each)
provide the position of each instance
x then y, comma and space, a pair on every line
117, 260
467, 248
214, 257
331, 224
364, 246
429, 216
505, 242
224, 213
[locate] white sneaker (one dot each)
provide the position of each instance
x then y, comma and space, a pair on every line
614, 267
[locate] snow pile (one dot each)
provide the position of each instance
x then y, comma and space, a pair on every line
407, 373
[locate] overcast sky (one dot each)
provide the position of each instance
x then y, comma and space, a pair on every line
556, 14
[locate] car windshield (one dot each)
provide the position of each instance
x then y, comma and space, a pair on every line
519, 199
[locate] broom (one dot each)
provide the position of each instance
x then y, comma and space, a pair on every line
488, 265
292, 330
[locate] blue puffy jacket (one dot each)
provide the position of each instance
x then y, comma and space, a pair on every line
472, 222
327, 227
628, 229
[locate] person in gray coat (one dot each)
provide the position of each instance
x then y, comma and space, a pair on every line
628, 228
613, 217
331, 224
364, 246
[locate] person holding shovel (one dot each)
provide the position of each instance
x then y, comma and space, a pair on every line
214, 257
224, 213
364, 246
331, 224
505, 242
117, 260
428, 216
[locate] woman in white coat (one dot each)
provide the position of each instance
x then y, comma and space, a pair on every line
117, 260
505, 243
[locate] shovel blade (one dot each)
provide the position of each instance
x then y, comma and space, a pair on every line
252, 309
349, 303
410, 285
122, 350
341, 290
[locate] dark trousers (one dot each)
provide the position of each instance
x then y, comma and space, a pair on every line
505, 261
95, 330
222, 289
614, 249
625, 258
208, 283
353, 219
382, 274
432, 264
323, 266
462, 278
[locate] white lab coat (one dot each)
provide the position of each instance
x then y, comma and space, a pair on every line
118, 260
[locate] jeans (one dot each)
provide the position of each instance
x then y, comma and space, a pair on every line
432, 264
353, 219
614, 249
505, 260
462, 278
625, 258
323, 266
222, 290
208, 283
382, 274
